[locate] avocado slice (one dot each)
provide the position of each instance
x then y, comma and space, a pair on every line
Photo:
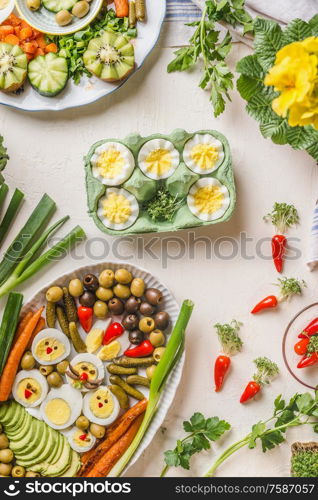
30, 439
33, 459
56, 443
41, 452
62, 463
74, 466
22, 438
21, 428
11, 414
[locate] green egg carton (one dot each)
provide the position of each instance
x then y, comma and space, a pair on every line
145, 189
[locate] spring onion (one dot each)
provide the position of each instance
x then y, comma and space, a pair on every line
171, 356
3, 193
8, 325
10, 213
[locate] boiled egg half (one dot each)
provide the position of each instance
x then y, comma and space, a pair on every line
101, 406
112, 163
80, 441
118, 209
50, 346
208, 199
62, 407
30, 388
158, 159
89, 369
203, 153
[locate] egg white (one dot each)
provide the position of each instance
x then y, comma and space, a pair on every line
72, 397
88, 358
201, 183
126, 170
150, 147
196, 140
76, 447
36, 375
133, 205
92, 418
51, 333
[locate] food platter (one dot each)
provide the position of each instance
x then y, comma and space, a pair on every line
90, 90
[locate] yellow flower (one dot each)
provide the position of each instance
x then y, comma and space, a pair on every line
304, 114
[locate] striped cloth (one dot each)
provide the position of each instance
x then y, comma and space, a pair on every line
182, 10
313, 241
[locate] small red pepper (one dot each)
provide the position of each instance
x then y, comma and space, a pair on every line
84, 376
250, 391
49, 350
310, 329
100, 405
268, 302
85, 315
279, 242
27, 394
145, 348
301, 347
221, 367
113, 331
83, 437
308, 360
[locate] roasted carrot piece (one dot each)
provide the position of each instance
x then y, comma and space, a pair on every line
26, 33
12, 39
39, 52
13, 20
51, 48
121, 8
40, 40
6, 29
29, 47
39, 327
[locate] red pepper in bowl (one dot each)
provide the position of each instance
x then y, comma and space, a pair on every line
300, 347
309, 330
311, 356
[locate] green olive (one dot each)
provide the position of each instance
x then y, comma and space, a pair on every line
82, 423
54, 294
104, 293
6, 456
4, 441
122, 291
76, 288
123, 276
137, 287
158, 353
33, 4
1, 429
62, 367
97, 430
146, 324
54, 379
157, 338
150, 371
80, 9
106, 278
18, 471
63, 17
27, 361
30, 473
100, 309
45, 370
5, 469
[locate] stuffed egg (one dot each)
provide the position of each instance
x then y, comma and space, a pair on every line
112, 163
208, 199
203, 153
118, 209
62, 407
30, 388
50, 346
80, 440
85, 372
158, 159
101, 406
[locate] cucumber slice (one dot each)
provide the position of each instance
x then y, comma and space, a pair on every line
48, 74
57, 5
13, 67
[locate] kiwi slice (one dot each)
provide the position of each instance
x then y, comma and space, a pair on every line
110, 57
13, 67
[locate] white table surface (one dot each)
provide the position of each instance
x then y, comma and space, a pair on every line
46, 152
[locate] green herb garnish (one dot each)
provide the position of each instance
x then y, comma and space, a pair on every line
3, 155
289, 287
228, 337
266, 370
305, 463
163, 206
313, 344
282, 216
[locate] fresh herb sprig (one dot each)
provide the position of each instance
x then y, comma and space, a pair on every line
282, 216
266, 370
289, 287
206, 45
200, 433
228, 336
163, 206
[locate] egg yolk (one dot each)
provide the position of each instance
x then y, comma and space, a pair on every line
110, 163
101, 404
80, 440
204, 155
88, 368
159, 161
58, 411
116, 208
208, 199
29, 390
49, 349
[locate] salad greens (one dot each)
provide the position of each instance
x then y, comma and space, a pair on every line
163, 206
304, 463
282, 216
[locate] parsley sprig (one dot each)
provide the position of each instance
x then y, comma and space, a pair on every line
282, 216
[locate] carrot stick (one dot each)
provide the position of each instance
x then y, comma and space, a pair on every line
112, 437
14, 358
111, 457
22, 324
39, 327
121, 8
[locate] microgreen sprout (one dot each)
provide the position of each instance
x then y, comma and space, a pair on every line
289, 287
228, 336
282, 217
266, 370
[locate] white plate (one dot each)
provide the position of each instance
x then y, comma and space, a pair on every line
91, 89
169, 304
5, 13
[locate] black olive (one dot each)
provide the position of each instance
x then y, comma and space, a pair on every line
88, 299
90, 282
147, 309
153, 296
115, 306
135, 337
130, 322
162, 319
132, 304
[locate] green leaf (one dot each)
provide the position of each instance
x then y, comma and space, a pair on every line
304, 402
276, 129
260, 107
3, 155
257, 431
296, 30
185, 58
215, 428
313, 150
284, 418
200, 442
279, 403
248, 87
197, 421
313, 23
300, 137
249, 66
171, 458
268, 41
271, 440
218, 101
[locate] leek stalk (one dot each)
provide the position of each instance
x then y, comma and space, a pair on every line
10, 213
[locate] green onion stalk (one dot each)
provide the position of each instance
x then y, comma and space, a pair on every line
172, 354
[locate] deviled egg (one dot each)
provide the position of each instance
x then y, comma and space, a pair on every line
80, 441
208, 199
158, 159
62, 407
118, 209
85, 372
112, 163
101, 406
30, 388
203, 153
50, 346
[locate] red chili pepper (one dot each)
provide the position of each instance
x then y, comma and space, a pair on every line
279, 242
301, 347
113, 331
222, 364
310, 329
268, 302
250, 391
83, 437
145, 348
27, 394
85, 315
310, 360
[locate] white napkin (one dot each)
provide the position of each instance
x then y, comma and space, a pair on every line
313, 241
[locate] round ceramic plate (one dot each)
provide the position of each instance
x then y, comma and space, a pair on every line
170, 305
4, 13
91, 89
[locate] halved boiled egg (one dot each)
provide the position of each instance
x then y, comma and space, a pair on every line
30, 388
50, 346
101, 406
85, 372
80, 441
158, 159
118, 209
203, 153
112, 163
208, 199
62, 407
